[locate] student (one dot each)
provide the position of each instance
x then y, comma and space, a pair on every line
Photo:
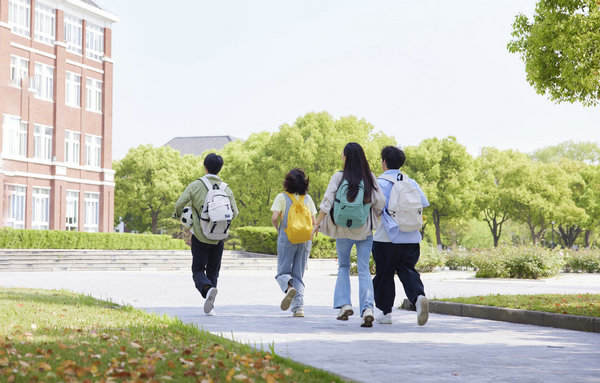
292, 257
356, 179
395, 251
206, 253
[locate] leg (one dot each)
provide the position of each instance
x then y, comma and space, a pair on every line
213, 265
200, 254
341, 295
383, 283
409, 276
298, 267
365, 283
285, 259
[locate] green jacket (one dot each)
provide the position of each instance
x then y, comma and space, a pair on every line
194, 196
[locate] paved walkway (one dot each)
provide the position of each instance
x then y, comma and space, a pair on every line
447, 349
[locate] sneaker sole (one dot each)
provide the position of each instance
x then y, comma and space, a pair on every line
287, 300
383, 321
209, 304
298, 315
422, 311
367, 321
345, 315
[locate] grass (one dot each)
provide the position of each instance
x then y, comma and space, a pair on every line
573, 304
60, 336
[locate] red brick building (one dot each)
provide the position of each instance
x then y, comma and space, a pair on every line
56, 93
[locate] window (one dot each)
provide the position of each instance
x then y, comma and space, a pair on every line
40, 209
19, 70
42, 142
19, 16
94, 95
93, 150
72, 210
72, 140
45, 21
92, 211
73, 91
43, 83
14, 138
73, 33
94, 41
16, 206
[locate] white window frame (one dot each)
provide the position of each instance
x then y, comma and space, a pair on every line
72, 210
43, 84
42, 142
93, 150
73, 90
94, 41
73, 33
92, 212
40, 208
72, 147
19, 70
19, 17
45, 23
14, 138
94, 95
16, 195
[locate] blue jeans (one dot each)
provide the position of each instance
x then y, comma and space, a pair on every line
291, 263
341, 295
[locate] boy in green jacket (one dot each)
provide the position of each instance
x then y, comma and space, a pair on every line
206, 253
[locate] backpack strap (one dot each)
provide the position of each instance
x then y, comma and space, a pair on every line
391, 178
209, 185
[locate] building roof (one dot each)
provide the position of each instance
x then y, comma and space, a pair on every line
200, 144
90, 2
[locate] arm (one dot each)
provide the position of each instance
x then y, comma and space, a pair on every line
320, 218
182, 202
275, 219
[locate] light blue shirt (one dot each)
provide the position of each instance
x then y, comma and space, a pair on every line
387, 229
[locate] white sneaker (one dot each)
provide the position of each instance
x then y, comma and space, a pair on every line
211, 313
422, 310
299, 313
384, 318
367, 318
287, 300
345, 312
209, 303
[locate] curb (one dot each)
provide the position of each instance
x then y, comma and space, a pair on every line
504, 314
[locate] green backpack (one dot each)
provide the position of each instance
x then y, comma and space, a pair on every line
350, 214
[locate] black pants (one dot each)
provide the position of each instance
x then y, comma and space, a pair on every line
206, 263
396, 258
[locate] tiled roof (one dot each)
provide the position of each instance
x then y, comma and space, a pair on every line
198, 145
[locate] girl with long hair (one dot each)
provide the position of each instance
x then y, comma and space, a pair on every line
355, 180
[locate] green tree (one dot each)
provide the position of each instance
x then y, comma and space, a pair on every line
491, 172
314, 143
561, 49
587, 152
148, 181
445, 171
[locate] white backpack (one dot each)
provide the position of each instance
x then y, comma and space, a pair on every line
405, 205
217, 214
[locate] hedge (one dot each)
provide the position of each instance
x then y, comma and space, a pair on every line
264, 240
53, 239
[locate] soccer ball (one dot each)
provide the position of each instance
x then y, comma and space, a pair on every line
186, 216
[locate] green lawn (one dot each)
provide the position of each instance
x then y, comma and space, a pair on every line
574, 304
53, 336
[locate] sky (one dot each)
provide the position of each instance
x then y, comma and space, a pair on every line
413, 69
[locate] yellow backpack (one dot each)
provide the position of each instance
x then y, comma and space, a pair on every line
297, 221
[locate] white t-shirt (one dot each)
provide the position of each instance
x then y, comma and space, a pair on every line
279, 203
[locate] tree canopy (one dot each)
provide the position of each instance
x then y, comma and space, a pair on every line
560, 46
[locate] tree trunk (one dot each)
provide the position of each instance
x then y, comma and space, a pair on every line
569, 234
588, 234
438, 233
154, 215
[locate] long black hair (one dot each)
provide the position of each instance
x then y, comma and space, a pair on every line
296, 182
356, 169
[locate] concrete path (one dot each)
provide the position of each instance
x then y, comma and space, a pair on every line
447, 349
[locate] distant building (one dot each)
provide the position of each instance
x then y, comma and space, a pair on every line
200, 144
56, 95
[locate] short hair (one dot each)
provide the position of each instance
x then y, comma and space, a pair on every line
213, 163
296, 182
393, 156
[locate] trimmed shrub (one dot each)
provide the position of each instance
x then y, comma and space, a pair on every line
53, 239
518, 262
263, 240
459, 260
586, 261
430, 259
